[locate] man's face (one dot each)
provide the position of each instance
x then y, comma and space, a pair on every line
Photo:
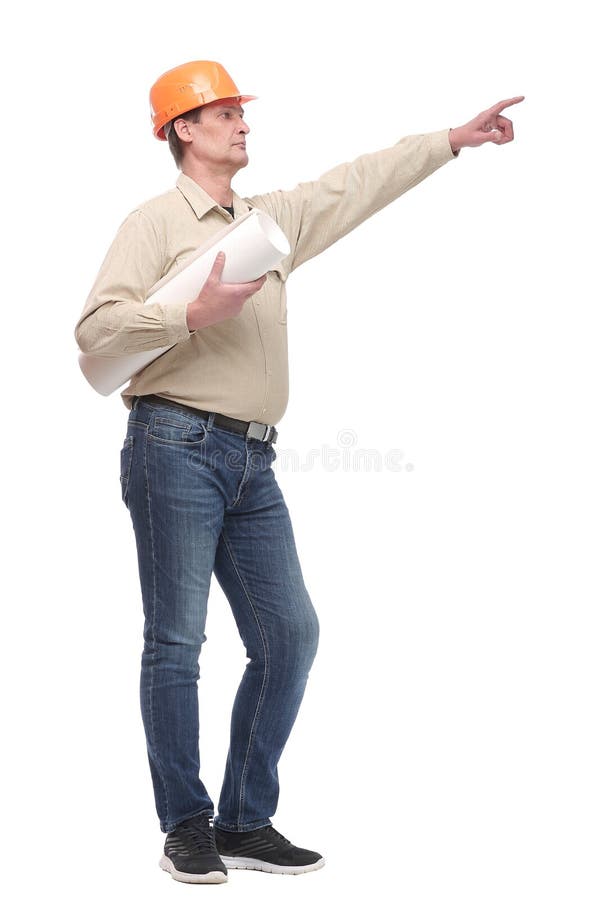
219, 139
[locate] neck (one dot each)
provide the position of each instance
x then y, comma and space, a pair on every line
217, 184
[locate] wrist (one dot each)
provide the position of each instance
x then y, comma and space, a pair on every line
193, 318
454, 140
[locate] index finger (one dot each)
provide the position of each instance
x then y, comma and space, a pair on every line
497, 107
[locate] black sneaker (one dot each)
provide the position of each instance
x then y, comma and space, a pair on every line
266, 850
190, 852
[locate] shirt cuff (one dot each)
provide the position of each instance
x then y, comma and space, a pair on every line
440, 145
175, 322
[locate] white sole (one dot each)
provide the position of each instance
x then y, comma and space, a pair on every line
244, 862
189, 878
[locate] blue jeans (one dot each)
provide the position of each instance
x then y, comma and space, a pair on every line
203, 499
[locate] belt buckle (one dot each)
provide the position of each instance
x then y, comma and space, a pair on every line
258, 430
262, 432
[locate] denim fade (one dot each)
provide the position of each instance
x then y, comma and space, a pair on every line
203, 499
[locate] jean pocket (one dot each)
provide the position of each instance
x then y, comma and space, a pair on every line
126, 457
179, 430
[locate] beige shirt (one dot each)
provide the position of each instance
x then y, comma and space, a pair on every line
239, 366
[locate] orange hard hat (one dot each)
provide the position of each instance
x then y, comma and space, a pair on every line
186, 87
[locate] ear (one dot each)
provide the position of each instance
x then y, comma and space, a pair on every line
183, 130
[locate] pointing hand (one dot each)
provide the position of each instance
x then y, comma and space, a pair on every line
488, 126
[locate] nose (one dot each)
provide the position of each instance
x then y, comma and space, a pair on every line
244, 127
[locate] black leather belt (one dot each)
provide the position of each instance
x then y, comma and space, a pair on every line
249, 429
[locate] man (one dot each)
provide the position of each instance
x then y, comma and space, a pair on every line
196, 470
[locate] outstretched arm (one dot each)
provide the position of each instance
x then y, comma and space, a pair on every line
317, 213
487, 126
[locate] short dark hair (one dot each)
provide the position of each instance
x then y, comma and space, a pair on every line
175, 145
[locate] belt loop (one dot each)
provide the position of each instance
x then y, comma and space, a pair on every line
135, 402
210, 421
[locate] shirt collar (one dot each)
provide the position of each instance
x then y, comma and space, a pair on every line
201, 202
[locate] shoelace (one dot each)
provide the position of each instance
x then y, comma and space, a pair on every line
199, 833
279, 838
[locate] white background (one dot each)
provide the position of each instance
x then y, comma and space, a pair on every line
448, 742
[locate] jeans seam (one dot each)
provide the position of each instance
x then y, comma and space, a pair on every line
231, 826
243, 485
265, 677
152, 669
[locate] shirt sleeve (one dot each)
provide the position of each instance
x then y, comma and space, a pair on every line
115, 320
315, 214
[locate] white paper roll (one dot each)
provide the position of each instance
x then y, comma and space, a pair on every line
253, 244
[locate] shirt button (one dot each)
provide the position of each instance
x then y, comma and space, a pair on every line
264, 409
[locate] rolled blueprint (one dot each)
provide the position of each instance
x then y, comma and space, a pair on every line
253, 244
